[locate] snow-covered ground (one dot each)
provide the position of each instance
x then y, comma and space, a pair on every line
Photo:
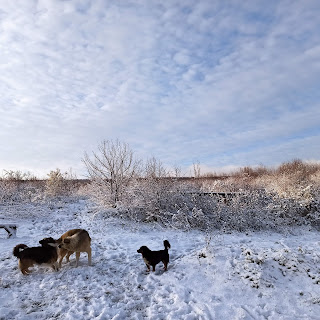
223, 276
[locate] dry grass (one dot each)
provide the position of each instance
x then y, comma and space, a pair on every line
294, 179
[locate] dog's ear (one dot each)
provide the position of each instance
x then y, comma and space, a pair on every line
66, 240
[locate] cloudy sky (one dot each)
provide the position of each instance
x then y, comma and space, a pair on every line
223, 83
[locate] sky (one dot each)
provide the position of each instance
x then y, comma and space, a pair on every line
220, 83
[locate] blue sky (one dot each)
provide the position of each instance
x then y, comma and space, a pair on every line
223, 83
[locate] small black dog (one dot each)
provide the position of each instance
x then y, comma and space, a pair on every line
151, 258
47, 254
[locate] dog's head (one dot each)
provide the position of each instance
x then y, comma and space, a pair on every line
143, 250
61, 242
48, 242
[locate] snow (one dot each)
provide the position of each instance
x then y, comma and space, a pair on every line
210, 276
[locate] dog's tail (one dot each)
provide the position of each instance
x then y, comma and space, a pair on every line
166, 244
18, 249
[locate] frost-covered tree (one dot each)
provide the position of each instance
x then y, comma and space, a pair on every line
112, 168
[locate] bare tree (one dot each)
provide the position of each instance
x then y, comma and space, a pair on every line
177, 171
197, 169
112, 167
155, 169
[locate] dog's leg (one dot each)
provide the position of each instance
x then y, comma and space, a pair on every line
148, 268
62, 253
55, 266
24, 268
25, 271
154, 268
89, 257
77, 258
165, 265
69, 253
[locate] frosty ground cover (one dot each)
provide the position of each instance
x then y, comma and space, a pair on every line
210, 276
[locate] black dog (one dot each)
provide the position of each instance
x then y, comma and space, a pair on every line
45, 255
151, 258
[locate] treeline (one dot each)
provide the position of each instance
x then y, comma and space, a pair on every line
118, 184
294, 179
156, 168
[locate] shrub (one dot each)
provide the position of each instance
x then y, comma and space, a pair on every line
61, 184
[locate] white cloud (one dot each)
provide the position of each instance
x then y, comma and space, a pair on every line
179, 80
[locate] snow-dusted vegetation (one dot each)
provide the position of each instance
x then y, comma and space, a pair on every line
249, 199
244, 246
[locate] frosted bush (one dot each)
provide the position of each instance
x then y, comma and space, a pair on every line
61, 184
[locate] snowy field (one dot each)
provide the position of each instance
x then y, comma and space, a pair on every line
225, 276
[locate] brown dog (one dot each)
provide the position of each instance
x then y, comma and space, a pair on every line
151, 258
45, 255
75, 240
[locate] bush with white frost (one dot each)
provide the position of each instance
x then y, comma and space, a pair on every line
258, 199
251, 199
17, 186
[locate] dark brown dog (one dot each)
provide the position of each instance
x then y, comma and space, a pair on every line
151, 258
45, 255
